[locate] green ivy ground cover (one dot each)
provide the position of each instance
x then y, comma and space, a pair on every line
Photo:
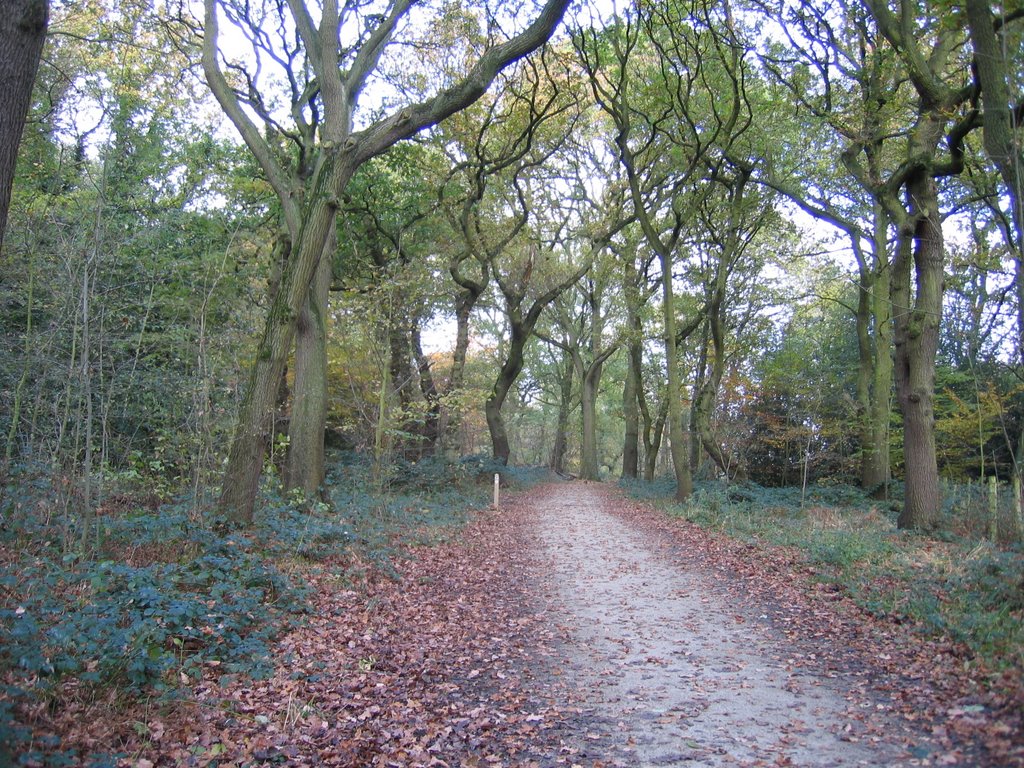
166, 593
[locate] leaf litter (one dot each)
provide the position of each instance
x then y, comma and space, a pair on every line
504, 647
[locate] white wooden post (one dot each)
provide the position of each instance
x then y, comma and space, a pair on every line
497, 488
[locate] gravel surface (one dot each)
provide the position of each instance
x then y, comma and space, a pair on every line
670, 670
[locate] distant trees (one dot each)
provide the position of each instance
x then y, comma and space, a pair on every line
672, 81
605, 230
495, 202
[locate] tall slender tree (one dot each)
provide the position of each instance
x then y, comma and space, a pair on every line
944, 114
860, 103
492, 146
995, 38
671, 80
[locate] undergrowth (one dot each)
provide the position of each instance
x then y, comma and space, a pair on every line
951, 585
165, 595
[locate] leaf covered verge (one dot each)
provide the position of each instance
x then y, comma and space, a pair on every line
164, 598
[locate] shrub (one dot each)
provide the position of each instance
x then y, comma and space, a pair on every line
110, 623
165, 593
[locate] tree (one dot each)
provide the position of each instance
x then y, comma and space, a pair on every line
581, 315
671, 133
858, 104
133, 306
390, 227
22, 33
636, 293
524, 296
528, 255
564, 370
728, 238
943, 118
993, 39
492, 147
327, 77
637, 287
897, 149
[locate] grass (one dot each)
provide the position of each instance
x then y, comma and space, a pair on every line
952, 582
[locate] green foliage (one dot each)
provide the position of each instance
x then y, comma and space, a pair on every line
166, 595
163, 597
108, 622
293, 530
973, 595
972, 414
802, 404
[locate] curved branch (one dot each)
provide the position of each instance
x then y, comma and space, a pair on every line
251, 135
406, 122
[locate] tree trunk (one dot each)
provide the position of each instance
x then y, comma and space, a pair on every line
507, 376
399, 354
632, 390
631, 413
305, 468
431, 429
590, 465
653, 444
865, 369
22, 34
875, 471
700, 375
1000, 129
916, 343
255, 418
678, 443
704, 402
590, 386
557, 462
465, 302
704, 406
500, 448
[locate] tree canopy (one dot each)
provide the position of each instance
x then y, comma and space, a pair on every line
738, 241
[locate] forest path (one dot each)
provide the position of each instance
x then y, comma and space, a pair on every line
674, 666
574, 627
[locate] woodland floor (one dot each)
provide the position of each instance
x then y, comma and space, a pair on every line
575, 627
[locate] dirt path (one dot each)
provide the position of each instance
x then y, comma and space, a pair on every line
676, 673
